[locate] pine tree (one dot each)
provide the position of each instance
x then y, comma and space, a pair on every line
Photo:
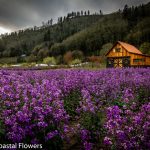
125, 12
78, 13
51, 22
101, 13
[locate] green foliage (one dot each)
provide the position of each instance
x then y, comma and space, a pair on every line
80, 31
55, 144
31, 58
21, 59
91, 121
118, 103
140, 33
76, 61
91, 39
42, 54
41, 51
5, 53
59, 59
105, 48
143, 95
145, 48
77, 54
94, 122
71, 102
57, 49
2, 46
2, 132
8, 60
49, 61
24, 41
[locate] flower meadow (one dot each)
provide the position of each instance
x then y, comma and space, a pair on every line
76, 109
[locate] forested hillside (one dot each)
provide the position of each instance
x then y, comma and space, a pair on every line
91, 34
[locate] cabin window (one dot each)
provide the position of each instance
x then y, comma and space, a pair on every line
118, 50
139, 60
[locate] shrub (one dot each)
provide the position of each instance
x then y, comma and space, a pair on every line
145, 48
105, 48
49, 61
59, 59
68, 57
77, 54
75, 62
31, 58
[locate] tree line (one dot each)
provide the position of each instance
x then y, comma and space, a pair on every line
91, 34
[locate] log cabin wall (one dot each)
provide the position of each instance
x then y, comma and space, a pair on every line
147, 60
139, 60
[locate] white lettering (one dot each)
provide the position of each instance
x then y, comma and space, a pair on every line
8, 146
20, 145
29, 146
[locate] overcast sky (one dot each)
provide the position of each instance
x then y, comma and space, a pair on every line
19, 14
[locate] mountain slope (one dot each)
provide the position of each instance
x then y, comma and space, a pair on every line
21, 42
85, 33
131, 25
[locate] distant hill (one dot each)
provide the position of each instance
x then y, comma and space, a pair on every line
80, 31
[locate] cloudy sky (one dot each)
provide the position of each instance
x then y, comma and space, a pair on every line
19, 14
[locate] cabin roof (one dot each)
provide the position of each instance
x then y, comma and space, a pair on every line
128, 47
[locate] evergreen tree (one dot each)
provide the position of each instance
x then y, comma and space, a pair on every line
125, 11
51, 22
78, 13
101, 13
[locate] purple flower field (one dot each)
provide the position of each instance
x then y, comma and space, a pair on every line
76, 109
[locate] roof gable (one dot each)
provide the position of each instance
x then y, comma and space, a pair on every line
128, 47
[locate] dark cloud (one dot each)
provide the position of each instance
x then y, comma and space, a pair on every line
16, 14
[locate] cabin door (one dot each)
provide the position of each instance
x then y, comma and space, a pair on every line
118, 62
126, 61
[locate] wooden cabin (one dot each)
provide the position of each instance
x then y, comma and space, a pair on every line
125, 55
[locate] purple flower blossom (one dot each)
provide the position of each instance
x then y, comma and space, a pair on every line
107, 141
88, 146
113, 106
51, 134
